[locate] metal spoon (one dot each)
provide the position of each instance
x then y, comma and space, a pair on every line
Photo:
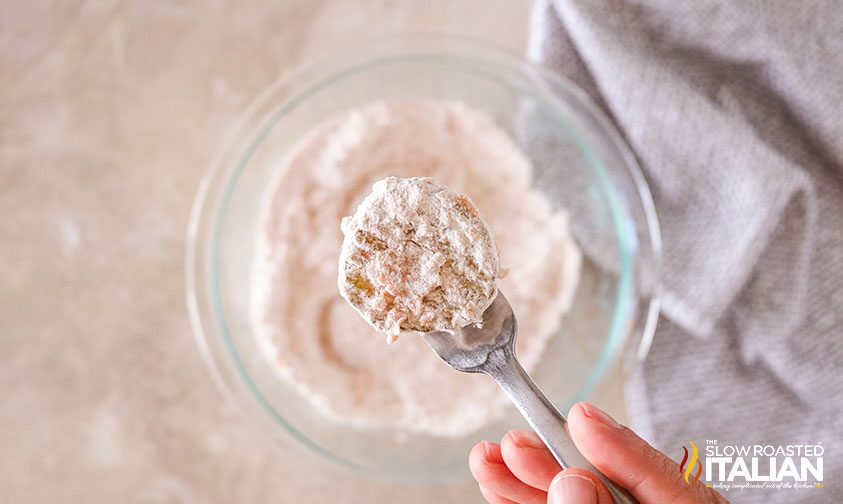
490, 349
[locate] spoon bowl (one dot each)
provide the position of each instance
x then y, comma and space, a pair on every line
471, 348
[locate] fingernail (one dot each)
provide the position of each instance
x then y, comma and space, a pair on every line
526, 439
601, 416
572, 489
490, 453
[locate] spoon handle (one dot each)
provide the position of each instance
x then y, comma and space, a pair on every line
545, 419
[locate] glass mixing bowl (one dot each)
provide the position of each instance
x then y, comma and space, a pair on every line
580, 162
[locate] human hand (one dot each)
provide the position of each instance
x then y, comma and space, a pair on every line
520, 470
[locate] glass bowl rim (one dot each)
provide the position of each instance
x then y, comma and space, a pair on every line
219, 171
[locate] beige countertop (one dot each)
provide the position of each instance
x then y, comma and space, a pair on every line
109, 114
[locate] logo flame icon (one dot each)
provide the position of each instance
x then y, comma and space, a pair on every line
694, 462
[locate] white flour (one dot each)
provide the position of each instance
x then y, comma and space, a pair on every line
317, 341
417, 257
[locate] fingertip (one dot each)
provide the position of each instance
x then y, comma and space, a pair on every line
578, 422
492, 452
477, 454
580, 486
523, 439
588, 422
576, 409
482, 455
576, 415
598, 415
488, 468
485, 450
573, 487
529, 459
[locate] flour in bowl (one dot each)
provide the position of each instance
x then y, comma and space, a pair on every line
319, 344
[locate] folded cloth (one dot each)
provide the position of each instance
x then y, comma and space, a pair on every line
735, 111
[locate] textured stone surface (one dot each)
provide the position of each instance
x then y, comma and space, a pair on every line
109, 113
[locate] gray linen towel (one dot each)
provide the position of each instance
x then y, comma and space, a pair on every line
735, 111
